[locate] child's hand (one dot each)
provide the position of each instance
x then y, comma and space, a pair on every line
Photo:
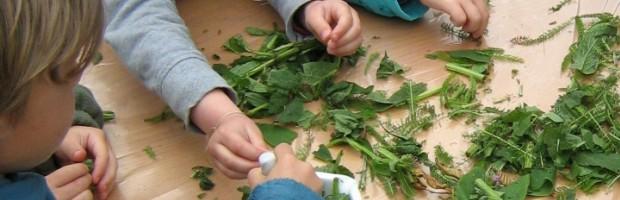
83, 142
287, 166
235, 146
70, 182
472, 15
335, 24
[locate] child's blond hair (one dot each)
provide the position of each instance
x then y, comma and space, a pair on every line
36, 36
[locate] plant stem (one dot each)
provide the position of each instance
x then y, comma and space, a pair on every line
464, 71
490, 192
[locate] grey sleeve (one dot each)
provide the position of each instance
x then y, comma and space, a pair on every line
287, 9
154, 43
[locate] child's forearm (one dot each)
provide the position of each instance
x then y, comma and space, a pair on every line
211, 110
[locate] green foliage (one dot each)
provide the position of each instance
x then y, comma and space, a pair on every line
371, 59
245, 191
201, 174
148, 150
163, 116
333, 165
108, 115
388, 67
274, 135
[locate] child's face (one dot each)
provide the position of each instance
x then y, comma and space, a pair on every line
47, 115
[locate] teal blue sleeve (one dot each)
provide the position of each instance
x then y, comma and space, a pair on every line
410, 10
24, 186
283, 189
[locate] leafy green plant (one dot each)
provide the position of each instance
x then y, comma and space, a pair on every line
388, 67
201, 174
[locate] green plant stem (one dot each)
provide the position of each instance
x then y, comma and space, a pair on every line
464, 71
428, 93
491, 194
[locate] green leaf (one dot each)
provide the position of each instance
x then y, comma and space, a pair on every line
245, 191
586, 58
244, 69
283, 78
466, 185
388, 67
516, 190
371, 59
609, 161
293, 112
542, 181
148, 150
253, 31
163, 116
316, 73
323, 154
237, 45
275, 135
442, 157
406, 91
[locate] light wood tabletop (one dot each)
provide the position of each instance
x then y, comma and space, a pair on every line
212, 22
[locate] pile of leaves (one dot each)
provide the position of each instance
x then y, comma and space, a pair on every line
281, 76
578, 139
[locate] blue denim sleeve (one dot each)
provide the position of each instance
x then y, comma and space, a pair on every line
411, 10
283, 189
24, 186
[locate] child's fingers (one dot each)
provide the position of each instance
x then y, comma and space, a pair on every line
484, 11
85, 195
74, 188
347, 49
98, 148
474, 17
256, 138
353, 32
456, 12
71, 151
344, 20
232, 161
105, 185
283, 150
255, 177
318, 24
66, 174
241, 146
229, 173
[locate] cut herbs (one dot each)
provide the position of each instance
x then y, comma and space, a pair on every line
388, 67
201, 174
473, 63
148, 150
163, 116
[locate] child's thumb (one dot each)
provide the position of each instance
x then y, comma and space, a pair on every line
255, 177
72, 152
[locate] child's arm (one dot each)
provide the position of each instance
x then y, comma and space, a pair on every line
70, 182
333, 22
83, 142
162, 54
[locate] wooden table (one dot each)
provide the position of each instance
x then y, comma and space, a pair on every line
213, 22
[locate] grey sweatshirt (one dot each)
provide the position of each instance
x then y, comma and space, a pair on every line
154, 43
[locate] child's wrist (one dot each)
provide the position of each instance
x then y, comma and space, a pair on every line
214, 106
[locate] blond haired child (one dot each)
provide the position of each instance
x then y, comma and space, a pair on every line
46, 44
